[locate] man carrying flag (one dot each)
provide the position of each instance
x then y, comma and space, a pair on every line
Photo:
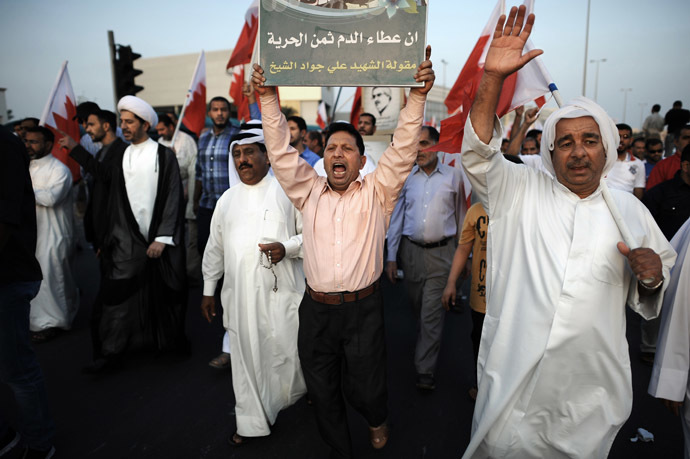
60, 116
553, 367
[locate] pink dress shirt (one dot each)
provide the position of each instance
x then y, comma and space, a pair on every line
343, 234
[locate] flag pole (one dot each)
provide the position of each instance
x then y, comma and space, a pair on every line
46, 110
186, 100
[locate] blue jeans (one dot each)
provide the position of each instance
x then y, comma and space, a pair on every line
19, 368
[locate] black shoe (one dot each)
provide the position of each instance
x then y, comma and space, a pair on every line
8, 442
426, 382
37, 454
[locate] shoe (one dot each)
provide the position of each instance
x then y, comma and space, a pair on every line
44, 335
9, 441
37, 454
221, 362
647, 358
426, 382
237, 440
378, 436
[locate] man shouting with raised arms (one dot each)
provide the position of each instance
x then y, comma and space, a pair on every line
553, 368
341, 341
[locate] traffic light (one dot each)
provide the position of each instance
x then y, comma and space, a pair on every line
125, 72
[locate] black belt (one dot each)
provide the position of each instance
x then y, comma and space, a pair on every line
431, 245
337, 298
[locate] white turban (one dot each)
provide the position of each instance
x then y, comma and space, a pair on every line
139, 107
579, 107
250, 132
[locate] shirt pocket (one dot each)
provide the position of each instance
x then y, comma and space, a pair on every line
608, 264
273, 226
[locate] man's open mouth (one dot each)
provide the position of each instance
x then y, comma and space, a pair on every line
339, 169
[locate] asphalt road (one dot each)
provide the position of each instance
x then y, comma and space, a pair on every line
178, 407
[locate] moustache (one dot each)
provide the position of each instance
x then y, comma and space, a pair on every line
578, 163
245, 166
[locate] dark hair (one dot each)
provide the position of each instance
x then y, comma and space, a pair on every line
656, 108
678, 102
33, 120
299, 121
373, 118
433, 133
218, 99
166, 120
315, 135
639, 139
651, 142
47, 134
533, 133
85, 109
106, 116
350, 129
624, 127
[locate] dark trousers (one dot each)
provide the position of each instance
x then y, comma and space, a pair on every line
477, 325
203, 228
342, 350
19, 368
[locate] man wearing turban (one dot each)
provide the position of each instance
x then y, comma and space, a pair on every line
553, 367
143, 252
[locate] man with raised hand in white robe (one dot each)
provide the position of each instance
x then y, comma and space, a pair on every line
553, 367
256, 241
57, 301
670, 380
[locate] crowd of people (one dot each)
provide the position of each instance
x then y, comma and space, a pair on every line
288, 232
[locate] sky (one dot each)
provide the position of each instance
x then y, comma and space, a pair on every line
644, 44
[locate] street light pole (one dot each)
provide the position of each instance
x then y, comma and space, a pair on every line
444, 62
584, 74
596, 76
625, 100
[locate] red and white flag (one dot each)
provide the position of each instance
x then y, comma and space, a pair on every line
529, 84
59, 115
241, 56
321, 115
356, 107
195, 105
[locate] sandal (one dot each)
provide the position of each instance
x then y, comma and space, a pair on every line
237, 440
379, 436
221, 362
44, 335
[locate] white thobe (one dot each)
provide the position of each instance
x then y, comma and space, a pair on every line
186, 153
140, 169
57, 301
553, 370
672, 361
262, 324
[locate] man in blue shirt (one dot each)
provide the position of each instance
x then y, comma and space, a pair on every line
298, 129
212, 173
424, 224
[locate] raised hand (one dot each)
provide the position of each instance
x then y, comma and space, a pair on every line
258, 80
425, 73
505, 53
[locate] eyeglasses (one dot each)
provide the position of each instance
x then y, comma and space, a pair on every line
656, 151
625, 136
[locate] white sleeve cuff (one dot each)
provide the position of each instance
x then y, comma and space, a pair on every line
167, 240
210, 287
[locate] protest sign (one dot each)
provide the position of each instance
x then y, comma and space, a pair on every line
306, 45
